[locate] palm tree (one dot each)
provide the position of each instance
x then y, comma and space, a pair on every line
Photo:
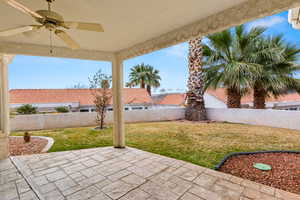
144, 76
278, 72
195, 110
229, 62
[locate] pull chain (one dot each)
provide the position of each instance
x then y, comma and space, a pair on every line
51, 43
49, 6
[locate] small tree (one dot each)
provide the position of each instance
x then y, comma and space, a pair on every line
26, 109
100, 84
62, 109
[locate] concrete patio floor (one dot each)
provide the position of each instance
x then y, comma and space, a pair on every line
125, 174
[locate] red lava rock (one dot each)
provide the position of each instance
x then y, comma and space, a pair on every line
17, 146
284, 174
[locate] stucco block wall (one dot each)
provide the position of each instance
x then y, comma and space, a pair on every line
51, 121
273, 118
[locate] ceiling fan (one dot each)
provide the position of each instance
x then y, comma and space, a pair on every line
52, 21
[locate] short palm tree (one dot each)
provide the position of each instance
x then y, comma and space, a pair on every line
228, 57
144, 76
277, 76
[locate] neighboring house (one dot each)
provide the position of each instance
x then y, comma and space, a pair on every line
217, 99
179, 99
289, 101
77, 100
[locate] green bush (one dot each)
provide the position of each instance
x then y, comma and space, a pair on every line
62, 109
26, 109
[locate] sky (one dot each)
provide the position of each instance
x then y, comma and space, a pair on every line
29, 72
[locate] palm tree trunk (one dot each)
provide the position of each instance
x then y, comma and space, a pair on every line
259, 95
233, 98
143, 84
195, 110
149, 89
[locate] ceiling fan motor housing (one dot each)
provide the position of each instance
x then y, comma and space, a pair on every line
50, 17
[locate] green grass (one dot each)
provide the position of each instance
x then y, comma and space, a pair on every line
199, 143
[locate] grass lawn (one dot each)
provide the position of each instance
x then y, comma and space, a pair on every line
199, 143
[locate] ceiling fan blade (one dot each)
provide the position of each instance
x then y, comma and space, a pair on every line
67, 39
15, 31
23, 8
84, 26
34, 31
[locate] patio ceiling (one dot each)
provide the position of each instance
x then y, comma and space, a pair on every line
132, 27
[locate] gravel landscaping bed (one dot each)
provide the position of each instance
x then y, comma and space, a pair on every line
285, 173
18, 147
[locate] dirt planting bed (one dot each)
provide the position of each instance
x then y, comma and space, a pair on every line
18, 147
285, 173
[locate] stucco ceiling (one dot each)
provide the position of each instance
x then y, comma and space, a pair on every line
126, 22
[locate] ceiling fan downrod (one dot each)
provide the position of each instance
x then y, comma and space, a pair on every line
51, 39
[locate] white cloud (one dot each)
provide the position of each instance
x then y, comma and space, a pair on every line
267, 22
180, 50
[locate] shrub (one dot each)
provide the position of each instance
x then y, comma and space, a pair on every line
26, 109
62, 109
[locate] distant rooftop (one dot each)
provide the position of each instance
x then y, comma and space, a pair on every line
220, 94
82, 96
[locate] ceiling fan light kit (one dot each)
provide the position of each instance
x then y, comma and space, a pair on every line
52, 21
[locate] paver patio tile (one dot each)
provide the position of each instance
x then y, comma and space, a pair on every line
141, 171
56, 176
158, 191
29, 195
46, 171
250, 184
9, 193
117, 189
6, 165
286, 195
90, 163
22, 186
47, 188
205, 193
236, 179
189, 196
84, 194
251, 193
100, 196
119, 175
225, 192
218, 174
186, 173
74, 168
103, 184
230, 185
54, 195
133, 179
88, 172
72, 190
205, 180
267, 190
40, 180
136, 194
11, 177
92, 180
65, 183
7, 186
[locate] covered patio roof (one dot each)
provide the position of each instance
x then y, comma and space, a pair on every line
132, 27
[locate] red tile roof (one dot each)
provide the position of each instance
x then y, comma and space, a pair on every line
173, 99
83, 96
220, 93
